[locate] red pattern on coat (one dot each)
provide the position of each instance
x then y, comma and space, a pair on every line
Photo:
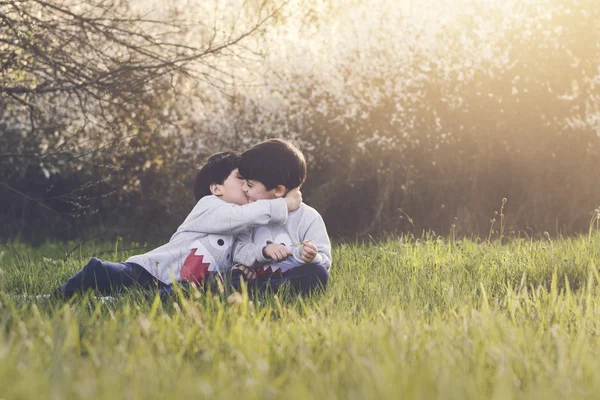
194, 268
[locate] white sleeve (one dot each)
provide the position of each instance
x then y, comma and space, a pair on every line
248, 253
317, 234
226, 218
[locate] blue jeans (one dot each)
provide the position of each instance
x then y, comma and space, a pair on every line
302, 280
108, 278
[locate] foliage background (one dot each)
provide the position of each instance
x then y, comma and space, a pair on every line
430, 111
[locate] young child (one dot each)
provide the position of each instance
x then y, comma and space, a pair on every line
202, 243
299, 251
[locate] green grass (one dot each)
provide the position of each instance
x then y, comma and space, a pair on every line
401, 319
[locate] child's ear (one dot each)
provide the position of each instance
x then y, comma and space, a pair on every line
279, 191
215, 189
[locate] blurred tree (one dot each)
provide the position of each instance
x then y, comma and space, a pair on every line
441, 113
88, 94
432, 113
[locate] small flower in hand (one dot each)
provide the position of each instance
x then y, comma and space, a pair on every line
309, 251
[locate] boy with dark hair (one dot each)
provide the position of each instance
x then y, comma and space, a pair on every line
201, 244
297, 252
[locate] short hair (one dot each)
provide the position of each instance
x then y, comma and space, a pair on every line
274, 162
214, 170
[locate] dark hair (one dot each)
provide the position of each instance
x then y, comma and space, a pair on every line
215, 170
274, 162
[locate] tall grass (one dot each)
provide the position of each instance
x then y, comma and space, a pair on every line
426, 318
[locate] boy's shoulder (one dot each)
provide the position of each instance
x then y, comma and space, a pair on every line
307, 212
204, 207
210, 201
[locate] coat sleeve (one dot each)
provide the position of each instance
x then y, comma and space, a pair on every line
247, 252
316, 232
218, 217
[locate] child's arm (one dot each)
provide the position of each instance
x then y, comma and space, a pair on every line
214, 216
248, 253
314, 248
230, 218
316, 233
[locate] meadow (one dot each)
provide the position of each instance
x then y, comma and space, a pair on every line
402, 318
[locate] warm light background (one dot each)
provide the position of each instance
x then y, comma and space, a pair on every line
440, 108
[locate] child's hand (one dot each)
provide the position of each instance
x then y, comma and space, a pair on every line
309, 251
248, 272
277, 252
293, 198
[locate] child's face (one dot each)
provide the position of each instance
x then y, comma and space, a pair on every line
232, 191
255, 190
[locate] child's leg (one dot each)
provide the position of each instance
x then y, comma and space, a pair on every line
169, 291
211, 283
302, 280
107, 277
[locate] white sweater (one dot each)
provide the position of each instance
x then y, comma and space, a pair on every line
204, 240
305, 223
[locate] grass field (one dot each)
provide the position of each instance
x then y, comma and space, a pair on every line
425, 318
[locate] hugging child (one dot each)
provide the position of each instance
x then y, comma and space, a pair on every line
297, 252
201, 245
